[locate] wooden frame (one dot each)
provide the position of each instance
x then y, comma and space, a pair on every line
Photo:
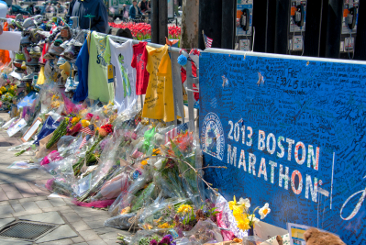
32, 130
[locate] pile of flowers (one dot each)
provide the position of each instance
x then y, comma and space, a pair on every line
7, 93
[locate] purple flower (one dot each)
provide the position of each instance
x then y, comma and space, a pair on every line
170, 237
165, 240
153, 242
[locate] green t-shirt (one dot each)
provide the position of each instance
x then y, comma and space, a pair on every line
98, 85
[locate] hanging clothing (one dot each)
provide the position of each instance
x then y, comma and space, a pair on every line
82, 63
159, 102
139, 62
120, 56
98, 86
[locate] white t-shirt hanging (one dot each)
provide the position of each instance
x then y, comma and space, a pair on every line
120, 56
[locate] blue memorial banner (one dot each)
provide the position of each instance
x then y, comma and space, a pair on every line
292, 133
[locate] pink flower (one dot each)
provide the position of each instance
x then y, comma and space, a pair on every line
49, 184
89, 116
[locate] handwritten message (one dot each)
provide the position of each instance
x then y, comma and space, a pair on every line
291, 133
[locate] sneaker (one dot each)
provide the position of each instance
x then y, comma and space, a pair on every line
28, 77
17, 64
65, 44
35, 52
49, 56
69, 53
55, 48
34, 81
61, 61
19, 57
32, 62
28, 23
70, 85
25, 40
19, 17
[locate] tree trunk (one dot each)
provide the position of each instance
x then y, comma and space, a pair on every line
190, 25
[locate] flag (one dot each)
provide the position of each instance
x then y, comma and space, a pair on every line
208, 41
83, 143
88, 130
175, 131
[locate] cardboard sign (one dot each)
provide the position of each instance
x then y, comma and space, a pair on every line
17, 127
290, 131
32, 130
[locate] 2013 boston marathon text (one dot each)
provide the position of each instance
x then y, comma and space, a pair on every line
305, 156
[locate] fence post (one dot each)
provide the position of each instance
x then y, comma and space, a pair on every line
163, 21
155, 21
190, 98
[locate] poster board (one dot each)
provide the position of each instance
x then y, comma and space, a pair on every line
17, 127
290, 131
32, 130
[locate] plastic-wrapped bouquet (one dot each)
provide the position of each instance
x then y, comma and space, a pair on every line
246, 219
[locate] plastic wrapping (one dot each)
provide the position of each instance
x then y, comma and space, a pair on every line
52, 157
120, 222
112, 188
142, 236
160, 212
204, 232
64, 142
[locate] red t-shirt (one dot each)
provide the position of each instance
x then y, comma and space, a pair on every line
139, 62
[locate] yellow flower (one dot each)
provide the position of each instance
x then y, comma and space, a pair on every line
243, 221
232, 204
237, 210
184, 208
158, 220
244, 225
27, 85
163, 226
147, 226
156, 152
74, 120
144, 162
126, 210
85, 123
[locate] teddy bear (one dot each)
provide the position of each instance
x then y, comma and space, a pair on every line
315, 237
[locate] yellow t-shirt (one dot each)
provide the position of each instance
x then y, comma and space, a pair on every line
159, 102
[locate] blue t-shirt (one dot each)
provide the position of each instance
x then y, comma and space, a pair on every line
82, 62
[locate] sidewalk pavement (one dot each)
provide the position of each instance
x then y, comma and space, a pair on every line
21, 196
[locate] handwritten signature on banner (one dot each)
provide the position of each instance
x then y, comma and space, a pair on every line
292, 135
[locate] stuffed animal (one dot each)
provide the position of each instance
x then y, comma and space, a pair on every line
315, 237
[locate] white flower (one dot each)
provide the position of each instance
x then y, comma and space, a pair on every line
245, 202
264, 211
253, 219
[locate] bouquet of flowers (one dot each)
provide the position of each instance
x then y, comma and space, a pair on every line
246, 219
